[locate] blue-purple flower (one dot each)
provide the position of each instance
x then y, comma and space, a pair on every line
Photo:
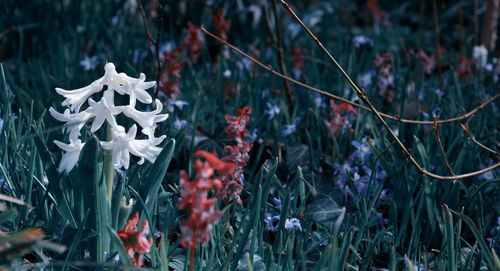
290, 128
363, 149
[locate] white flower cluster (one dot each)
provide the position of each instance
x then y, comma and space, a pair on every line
123, 143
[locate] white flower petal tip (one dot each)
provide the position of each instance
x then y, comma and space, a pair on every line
71, 155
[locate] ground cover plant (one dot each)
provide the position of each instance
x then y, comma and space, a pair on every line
249, 135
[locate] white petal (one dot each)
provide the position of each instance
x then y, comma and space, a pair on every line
76, 97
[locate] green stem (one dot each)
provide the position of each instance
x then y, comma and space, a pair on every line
108, 166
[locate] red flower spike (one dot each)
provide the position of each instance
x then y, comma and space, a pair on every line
221, 24
194, 199
221, 166
136, 241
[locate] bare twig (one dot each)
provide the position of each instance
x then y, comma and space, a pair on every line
279, 47
377, 114
437, 133
146, 23
473, 138
325, 93
155, 42
363, 96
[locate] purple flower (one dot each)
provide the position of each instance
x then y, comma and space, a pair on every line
344, 170
380, 173
292, 223
360, 40
361, 183
272, 110
362, 149
179, 124
89, 63
271, 222
290, 128
365, 79
436, 112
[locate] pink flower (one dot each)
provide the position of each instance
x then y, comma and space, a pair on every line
237, 154
221, 24
195, 198
339, 116
135, 240
426, 60
193, 42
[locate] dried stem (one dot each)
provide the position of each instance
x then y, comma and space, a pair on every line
441, 148
155, 42
146, 23
362, 95
377, 114
473, 138
327, 94
278, 40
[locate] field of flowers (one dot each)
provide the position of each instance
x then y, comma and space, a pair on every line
249, 135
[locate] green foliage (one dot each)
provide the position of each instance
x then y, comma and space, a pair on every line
407, 220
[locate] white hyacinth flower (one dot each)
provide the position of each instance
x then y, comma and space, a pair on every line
72, 153
77, 97
121, 144
104, 110
146, 119
125, 143
136, 88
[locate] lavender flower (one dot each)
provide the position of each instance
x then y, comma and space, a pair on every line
179, 124
271, 222
360, 40
365, 79
290, 128
272, 110
362, 151
292, 223
89, 63
436, 112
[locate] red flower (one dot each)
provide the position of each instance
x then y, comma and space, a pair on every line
427, 61
193, 42
221, 24
195, 199
339, 116
297, 61
464, 66
135, 240
223, 167
237, 154
379, 15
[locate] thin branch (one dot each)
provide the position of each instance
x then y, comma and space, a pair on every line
146, 23
325, 93
279, 46
155, 42
371, 109
473, 138
437, 133
363, 96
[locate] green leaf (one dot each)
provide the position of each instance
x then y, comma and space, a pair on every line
479, 238
118, 245
323, 209
95, 194
54, 187
150, 189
